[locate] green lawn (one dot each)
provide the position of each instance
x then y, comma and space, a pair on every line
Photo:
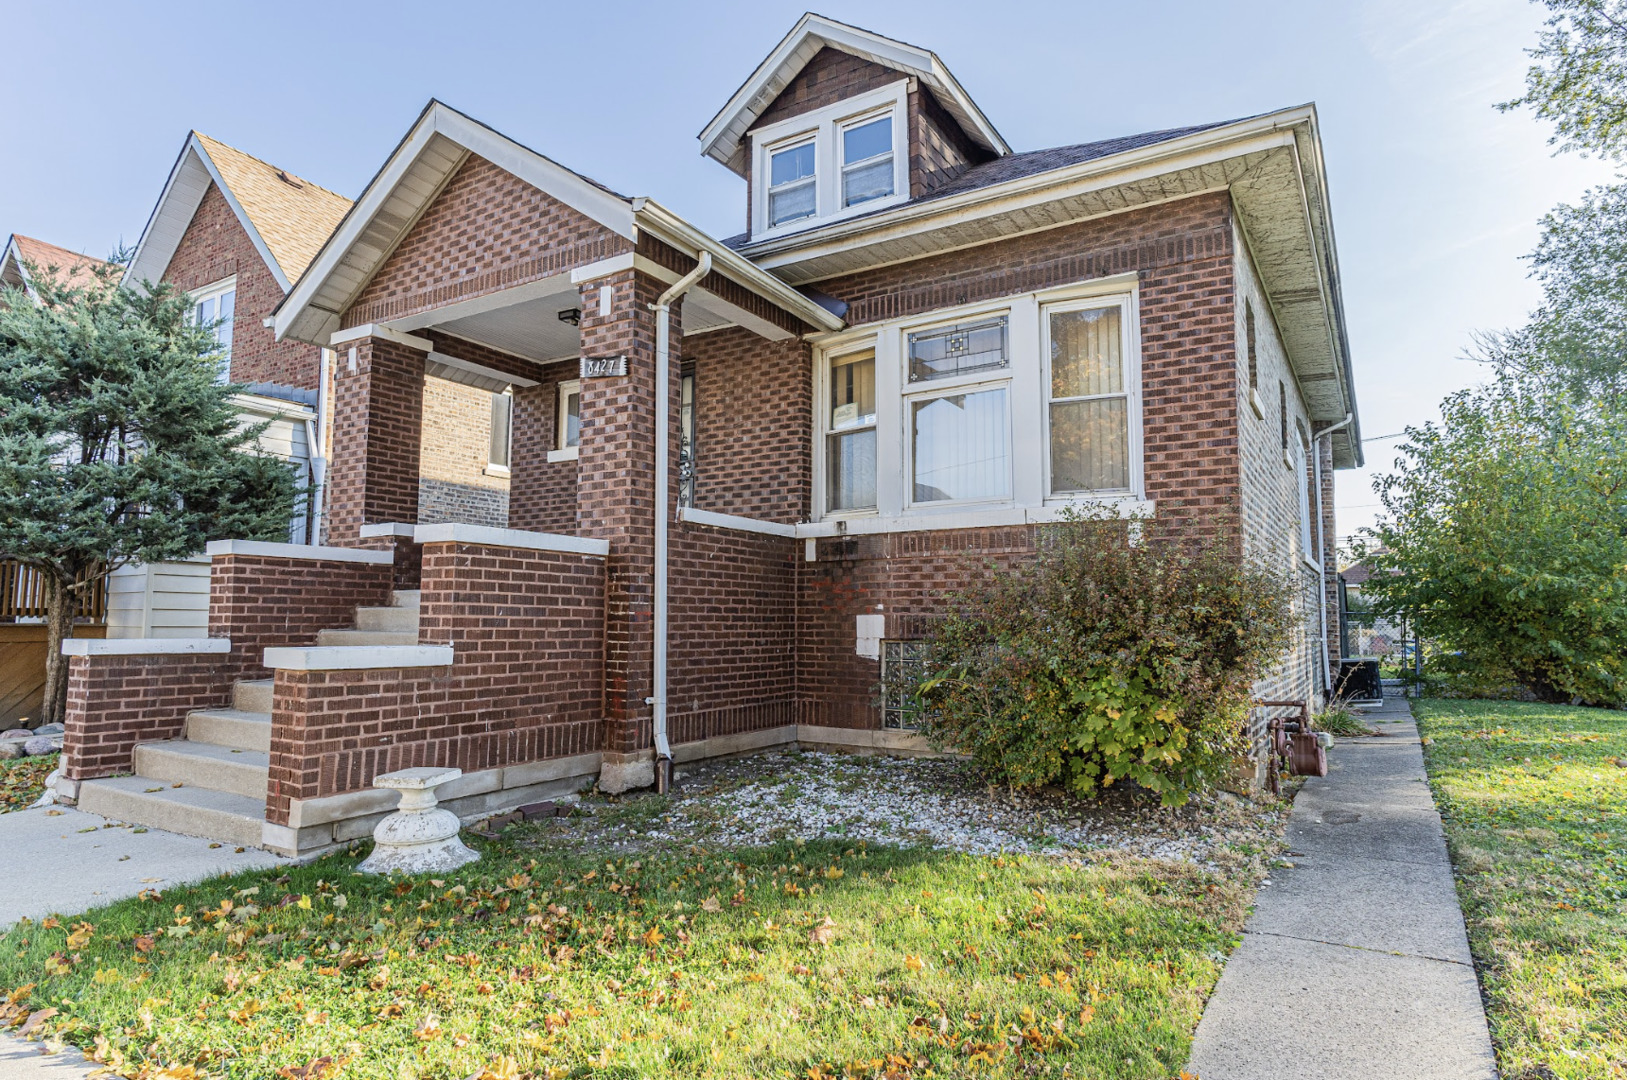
1535, 802
22, 780
797, 960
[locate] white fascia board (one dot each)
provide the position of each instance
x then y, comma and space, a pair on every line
673, 229
458, 533
194, 151
262, 549
378, 330
1191, 151
358, 657
145, 646
735, 523
11, 255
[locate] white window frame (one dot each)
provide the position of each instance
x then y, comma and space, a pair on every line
210, 292
1131, 350
948, 386
1028, 396
559, 452
503, 468
825, 127
796, 142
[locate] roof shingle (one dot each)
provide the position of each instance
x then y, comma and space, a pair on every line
293, 216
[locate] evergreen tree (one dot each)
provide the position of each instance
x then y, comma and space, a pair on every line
117, 444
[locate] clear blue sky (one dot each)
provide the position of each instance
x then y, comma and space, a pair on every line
1435, 195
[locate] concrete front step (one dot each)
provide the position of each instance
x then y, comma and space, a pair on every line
191, 811
365, 637
253, 695
235, 729
201, 765
400, 620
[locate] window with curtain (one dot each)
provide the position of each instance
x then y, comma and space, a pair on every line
792, 188
502, 425
1089, 405
850, 440
867, 160
960, 446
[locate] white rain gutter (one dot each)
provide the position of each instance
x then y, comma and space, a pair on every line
663, 445
1322, 601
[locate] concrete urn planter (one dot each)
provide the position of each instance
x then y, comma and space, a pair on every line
419, 837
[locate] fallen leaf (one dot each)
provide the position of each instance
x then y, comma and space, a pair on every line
823, 934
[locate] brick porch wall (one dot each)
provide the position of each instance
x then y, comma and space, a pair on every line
262, 602
377, 430
526, 683
115, 702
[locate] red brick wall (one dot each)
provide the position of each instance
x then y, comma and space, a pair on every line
526, 684
215, 247
831, 76
115, 702
488, 230
939, 149
902, 576
377, 429
731, 661
263, 603
615, 477
753, 424
542, 493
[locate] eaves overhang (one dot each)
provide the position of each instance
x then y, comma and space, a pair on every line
1271, 165
189, 179
724, 137
414, 174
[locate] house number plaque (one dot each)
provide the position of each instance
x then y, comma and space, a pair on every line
602, 367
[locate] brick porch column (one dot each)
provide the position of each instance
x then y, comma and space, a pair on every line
615, 489
377, 426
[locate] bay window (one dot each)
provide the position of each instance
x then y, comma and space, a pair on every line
987, 413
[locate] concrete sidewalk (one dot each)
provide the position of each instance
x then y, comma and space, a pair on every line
1355, 962
60, 861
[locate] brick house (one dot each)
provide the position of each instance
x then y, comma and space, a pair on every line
745, 471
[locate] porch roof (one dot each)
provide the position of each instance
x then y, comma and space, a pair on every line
417, 171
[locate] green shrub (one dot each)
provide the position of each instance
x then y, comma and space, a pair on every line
1340, 719
1107, 660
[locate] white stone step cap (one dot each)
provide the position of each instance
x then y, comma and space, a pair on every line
458, 533
358, 657
314, 552
144, 646
419, 778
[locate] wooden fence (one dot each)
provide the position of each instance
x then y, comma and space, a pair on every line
22, 595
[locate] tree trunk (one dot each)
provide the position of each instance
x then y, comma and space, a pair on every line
61, 602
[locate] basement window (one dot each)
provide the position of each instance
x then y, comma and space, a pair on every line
903, 666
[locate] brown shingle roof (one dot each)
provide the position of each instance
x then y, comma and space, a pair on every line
43, 256
293, 216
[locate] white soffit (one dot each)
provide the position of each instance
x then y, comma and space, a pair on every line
439, 142
453, 369
188, 182
724, 138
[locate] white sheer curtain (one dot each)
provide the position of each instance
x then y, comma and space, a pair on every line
960, 446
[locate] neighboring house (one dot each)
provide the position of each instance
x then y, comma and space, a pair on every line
744, 473
21, 252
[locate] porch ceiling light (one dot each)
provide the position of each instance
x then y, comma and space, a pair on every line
572, 316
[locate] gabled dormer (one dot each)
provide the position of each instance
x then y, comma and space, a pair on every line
839, 122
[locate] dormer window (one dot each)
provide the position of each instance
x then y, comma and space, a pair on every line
791, 193
867, 160
845, 159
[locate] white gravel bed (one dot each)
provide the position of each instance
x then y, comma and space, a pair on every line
916, 802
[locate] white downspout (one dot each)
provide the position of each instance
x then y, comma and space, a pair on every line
317, 442
663, 445
1322, 600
